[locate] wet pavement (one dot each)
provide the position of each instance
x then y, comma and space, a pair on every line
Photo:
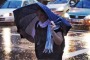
20, 49
77, 46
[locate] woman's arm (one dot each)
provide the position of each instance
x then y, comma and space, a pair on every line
57, 37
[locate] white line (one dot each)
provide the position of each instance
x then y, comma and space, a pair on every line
72, 54
13, 34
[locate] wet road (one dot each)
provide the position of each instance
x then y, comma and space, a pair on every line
12, 47
77, 45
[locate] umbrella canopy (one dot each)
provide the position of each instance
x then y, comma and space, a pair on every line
26, 17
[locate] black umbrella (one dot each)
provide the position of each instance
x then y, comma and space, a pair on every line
26, 17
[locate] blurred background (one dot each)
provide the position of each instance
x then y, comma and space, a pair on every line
13, 47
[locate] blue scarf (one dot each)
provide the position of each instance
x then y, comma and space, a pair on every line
49, 42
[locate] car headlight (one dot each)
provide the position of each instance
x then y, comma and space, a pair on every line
66, 15
89, 21
87, 17
7, 14
60, 9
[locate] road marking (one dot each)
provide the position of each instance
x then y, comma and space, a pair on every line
72, 54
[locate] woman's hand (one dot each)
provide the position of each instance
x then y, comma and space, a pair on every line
52, 25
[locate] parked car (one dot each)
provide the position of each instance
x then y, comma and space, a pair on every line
59, 6
6, 10
79, 14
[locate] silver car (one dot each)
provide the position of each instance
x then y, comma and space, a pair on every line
59, 7
6, 10
80, 13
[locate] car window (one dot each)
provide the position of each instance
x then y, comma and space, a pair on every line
11, 4
83, 4
25, 3
57, 1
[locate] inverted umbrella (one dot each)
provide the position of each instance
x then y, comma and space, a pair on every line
26, 17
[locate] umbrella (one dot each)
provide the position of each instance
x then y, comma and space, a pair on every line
23, 16
25, 19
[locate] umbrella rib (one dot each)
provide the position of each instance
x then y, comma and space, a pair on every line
30, 21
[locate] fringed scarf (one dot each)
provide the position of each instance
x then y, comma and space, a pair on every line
49, 42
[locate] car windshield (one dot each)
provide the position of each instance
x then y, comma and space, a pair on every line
83, 4
58, 1
11, 4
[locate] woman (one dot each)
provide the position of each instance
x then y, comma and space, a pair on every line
41, 33
48, 37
